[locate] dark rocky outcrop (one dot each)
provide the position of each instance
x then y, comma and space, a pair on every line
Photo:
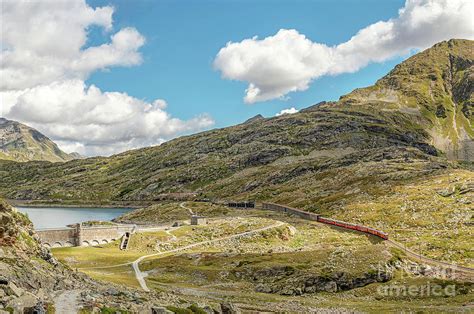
286, 280
441, 111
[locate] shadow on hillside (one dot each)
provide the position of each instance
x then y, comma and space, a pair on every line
373, 239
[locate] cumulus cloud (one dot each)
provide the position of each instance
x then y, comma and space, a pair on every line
288, 61
42, 41
287, 111
45, 59
85, 119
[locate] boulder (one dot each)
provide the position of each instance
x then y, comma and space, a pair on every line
445, 192
13, 290
20, 304
229, 308
160, 310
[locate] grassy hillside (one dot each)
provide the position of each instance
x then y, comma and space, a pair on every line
298, 266
32, 280
436, 88
388, 132
395, 156
19, 142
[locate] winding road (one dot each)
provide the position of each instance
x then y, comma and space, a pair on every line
460, 272
140, 276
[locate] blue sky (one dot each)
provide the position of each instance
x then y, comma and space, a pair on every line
103, 76
183, 38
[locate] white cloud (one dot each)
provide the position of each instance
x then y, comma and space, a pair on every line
42, 41
95, 122
45, 59
288, 61
287, 111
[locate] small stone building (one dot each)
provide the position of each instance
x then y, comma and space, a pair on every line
198, 220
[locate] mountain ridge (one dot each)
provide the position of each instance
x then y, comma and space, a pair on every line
436, 86
391, 126
20, 142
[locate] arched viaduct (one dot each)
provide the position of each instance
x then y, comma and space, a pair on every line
82, 236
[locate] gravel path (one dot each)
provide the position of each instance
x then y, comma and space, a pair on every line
66, 302
187, 208
140, 276
170, 234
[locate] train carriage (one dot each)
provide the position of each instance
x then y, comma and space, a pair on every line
315, 217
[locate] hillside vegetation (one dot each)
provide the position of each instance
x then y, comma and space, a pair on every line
296, 266
397, 156
402, 127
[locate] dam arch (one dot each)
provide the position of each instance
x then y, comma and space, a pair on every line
82, 236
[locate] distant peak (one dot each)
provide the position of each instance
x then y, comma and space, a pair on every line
76, 155
313, 107
255, 118
20, 142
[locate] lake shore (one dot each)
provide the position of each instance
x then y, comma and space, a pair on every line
62, 216
79, 204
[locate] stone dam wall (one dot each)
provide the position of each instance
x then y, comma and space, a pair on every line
82, 236
58, 237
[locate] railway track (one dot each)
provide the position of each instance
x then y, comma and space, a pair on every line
460, 272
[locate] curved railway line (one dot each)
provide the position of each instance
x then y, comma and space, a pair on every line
460, 271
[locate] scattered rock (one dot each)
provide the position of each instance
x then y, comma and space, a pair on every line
466, 188
209, 310
160, 310
12, 289
113, 292
27, 300
229, 308
288, 281
39, 308
445, 192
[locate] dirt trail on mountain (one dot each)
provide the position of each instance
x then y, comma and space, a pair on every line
67, 302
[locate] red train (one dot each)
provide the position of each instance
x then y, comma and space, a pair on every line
311, 216
347, 225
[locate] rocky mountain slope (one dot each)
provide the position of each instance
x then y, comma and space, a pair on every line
19, 142
28, 272
33, 281
412, 123
434, 87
